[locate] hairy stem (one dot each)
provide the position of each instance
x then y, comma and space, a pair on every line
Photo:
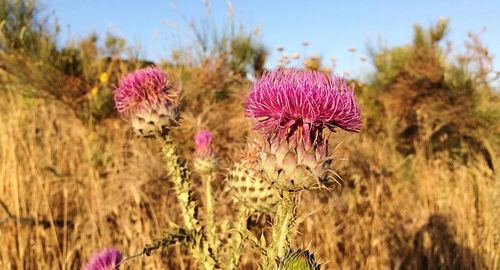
282, 229
210, 214
236, 240
180, 177
177, 235
179, 174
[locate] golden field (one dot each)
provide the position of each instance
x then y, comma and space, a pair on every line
420, 188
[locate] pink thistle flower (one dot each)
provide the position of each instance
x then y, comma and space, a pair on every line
144, 89
203, 141
292, 108
204, 161
104, 260
147, 97
292, 104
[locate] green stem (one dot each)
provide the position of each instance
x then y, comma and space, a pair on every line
236, 240
282, 229
210, 214
179, 174
180, 177
177, 235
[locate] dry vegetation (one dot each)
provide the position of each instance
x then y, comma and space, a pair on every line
421, 187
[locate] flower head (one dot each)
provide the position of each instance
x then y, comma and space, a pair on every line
204, 160
94, 91
292, 108
144, 89
292, 104
203, 141
104, 77
147, 97
104, 260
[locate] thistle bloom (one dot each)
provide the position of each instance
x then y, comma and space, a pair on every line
298, 104
142, 89
292, 108
104, 260
204, 161
203, 140
148, 98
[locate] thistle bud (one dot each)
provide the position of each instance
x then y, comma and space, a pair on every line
249, 189
204, 160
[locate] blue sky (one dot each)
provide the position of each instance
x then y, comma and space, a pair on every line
331, 27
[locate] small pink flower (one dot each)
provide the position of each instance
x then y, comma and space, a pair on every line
104, 260
203, 140
144, 89
297, 105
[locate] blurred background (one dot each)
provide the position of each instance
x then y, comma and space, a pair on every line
420, 182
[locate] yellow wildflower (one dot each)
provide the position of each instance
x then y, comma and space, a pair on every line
104, 77
94, 91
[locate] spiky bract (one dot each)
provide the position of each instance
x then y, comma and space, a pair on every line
249, 189
298, 260
104, 260
294, 167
